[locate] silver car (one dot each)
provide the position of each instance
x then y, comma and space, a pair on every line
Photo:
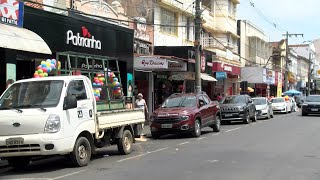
263, 107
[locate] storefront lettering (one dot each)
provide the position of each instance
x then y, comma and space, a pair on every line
86, 40
227, 68
96, 66
152, 63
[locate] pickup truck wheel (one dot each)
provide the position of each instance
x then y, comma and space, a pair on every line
197, 129
81, 154
217, 125
19, 162
125, 143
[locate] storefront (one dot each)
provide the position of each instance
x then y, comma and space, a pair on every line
228, 77
166, 75
16, 41
83, 43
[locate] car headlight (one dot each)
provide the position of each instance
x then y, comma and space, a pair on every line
184, 118
53, 124
265, 108
304, 104
241, 108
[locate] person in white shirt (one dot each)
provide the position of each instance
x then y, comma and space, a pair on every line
141, 103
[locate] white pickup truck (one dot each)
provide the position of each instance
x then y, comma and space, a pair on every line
58, 116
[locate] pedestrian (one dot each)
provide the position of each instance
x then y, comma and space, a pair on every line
219, 97
141, 103
9, 82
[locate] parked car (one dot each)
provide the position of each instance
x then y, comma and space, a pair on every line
185, 113
263, 107
279, 104
311, 105
238, 107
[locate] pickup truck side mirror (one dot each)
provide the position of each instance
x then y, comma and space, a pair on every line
70, 102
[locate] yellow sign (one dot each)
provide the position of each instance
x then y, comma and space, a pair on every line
318, 72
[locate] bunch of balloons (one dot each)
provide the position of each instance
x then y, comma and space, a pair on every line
46, 67
98, 80
115, 84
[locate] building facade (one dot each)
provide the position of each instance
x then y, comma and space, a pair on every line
220, 37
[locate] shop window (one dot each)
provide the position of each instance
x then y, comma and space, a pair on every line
170, 19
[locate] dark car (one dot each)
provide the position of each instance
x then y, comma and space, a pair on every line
238, 107
311, 105
185, 113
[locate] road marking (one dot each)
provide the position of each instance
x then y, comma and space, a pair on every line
183, 143
66, 175
233, 129
213, 161
140, 155
201, 138
30, 179
215, 134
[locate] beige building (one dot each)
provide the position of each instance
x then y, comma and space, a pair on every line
254, 45
220, 37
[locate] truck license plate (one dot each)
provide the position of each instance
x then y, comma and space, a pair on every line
166, 125
14, 141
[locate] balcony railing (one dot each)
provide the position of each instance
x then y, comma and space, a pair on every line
210, 42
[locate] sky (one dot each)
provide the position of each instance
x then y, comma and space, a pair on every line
294, 16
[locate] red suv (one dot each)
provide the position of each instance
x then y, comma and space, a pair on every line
185, 113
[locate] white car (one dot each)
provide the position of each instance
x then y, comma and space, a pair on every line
280, 105
263, 107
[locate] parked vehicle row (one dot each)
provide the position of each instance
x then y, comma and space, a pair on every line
189, 113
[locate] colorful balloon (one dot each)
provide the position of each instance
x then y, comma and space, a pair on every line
43, 62
40, 71
45, 74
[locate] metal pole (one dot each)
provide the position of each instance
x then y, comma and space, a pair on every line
286, 63
309, 73
197, 47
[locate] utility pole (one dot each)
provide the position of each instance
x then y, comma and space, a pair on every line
309, 73
286, 71
197, 46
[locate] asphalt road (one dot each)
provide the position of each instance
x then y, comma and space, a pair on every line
286, 147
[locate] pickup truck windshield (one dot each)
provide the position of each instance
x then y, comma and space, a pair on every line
33, 94
234, 100
189, 101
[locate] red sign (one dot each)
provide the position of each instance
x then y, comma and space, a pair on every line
11, 12
229, 69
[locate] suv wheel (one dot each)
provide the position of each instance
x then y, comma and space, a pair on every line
247, 118
254, 118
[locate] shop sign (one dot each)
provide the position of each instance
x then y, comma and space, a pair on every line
150, 63
11, 12
227, 68
84, 40
161, 76
96, 66
140, 31
203, 63
221, 75
269, 76
177, 66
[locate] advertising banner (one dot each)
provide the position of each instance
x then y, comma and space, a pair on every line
11, 12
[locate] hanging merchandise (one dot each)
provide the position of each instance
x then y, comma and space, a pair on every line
46, 67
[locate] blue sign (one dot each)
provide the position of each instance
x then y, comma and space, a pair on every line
221, 75
11, 12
